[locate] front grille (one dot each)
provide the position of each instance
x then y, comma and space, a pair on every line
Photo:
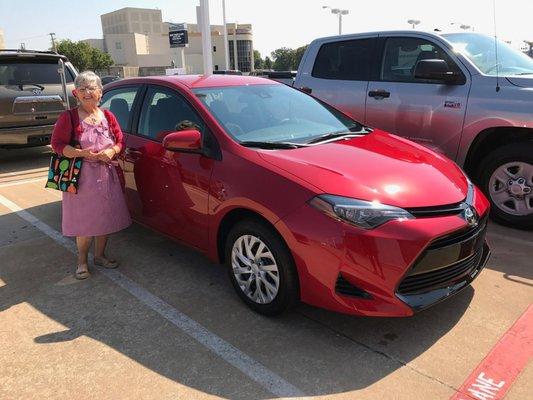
441, 277
437, 211
446, 260
458, 237
342, 286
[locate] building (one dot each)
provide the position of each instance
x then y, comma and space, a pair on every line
2, 42
137, 40
239, 38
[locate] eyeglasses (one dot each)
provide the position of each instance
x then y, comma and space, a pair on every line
88, 89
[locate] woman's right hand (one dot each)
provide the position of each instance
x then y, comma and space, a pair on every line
90, 155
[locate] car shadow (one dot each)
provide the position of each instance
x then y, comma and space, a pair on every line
19, 159
317, 351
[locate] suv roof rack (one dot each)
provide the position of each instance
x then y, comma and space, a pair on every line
30, 51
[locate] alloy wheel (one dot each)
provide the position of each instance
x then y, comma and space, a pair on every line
255, 269
511, 188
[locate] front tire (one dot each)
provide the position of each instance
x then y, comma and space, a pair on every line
506, 177
261, 268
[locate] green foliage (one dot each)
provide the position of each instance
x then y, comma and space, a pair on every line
267, 64
258, 61
283, 59
286, 59
83, 56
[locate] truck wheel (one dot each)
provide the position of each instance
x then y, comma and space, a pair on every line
261, 268
506, 177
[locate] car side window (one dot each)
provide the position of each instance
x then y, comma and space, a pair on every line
345, 60
166, 111
401, 55
120, 102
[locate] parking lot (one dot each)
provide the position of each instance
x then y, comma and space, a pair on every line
167, 324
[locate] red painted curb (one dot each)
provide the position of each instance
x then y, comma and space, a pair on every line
495, 375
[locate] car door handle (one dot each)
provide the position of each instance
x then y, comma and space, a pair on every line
379, 94
306, 89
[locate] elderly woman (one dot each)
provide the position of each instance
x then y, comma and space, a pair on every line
99, 207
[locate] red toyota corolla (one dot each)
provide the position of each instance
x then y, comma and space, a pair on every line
297, 199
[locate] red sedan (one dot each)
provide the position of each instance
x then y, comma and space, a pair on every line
300, 202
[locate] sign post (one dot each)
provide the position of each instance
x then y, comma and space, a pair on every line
178, 37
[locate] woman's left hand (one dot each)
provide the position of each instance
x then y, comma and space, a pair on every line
107, 155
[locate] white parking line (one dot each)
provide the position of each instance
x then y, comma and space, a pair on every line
229, 353
24, 181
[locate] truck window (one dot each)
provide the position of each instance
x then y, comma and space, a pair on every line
346, 60
401, 55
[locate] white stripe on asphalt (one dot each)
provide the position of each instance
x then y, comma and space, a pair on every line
229, 353
23, 182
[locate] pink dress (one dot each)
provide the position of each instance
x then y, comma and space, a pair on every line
99, 207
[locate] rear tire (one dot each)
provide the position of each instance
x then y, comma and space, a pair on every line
506, 177
261, 268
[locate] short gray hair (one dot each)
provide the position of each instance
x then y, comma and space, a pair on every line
87, 77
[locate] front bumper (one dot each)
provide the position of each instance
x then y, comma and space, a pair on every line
359, 272
26, 136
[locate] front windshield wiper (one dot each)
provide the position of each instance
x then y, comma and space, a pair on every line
272, 145
338, 135
525, 73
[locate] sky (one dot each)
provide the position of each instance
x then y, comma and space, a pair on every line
275, 23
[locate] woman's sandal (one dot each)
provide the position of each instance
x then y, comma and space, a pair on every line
106, 263
83, 274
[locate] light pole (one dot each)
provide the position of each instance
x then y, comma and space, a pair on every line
340, 13
226, 51
413, 22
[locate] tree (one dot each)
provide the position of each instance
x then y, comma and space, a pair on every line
83, 56
267, 64
258, 61
299, 52
283, 59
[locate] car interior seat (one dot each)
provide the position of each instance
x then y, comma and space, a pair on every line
119, 107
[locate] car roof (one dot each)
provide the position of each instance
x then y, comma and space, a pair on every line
200, 81
30, 54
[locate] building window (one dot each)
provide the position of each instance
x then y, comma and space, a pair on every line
244, 59
216, 67
214, 49
118, 45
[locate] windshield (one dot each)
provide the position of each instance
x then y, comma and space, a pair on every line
272, 113
18, 73
480, 49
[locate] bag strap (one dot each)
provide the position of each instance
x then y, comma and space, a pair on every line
111, 125
72, 125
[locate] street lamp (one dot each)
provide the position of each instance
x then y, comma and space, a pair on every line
340, 13
413, 22
464, 27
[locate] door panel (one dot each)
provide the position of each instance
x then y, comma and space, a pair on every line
340, 75
426, 112
169, 189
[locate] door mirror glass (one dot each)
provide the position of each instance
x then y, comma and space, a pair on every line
189, 141
435, 69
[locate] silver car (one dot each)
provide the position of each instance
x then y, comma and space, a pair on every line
448, 92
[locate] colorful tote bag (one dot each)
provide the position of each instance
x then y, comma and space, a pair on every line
64, 173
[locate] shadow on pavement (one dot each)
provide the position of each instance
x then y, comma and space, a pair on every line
319, 352
19, 159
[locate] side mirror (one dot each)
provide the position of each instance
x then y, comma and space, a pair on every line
436, 69
188, 141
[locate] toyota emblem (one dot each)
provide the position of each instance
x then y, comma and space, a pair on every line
37, 92
470, 216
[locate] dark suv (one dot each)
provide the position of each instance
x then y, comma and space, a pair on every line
31, 95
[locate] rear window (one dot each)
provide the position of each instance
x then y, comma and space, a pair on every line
346, 60
17, 73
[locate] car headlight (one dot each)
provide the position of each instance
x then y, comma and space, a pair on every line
363, 214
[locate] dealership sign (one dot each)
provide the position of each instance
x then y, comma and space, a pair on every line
178, 35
